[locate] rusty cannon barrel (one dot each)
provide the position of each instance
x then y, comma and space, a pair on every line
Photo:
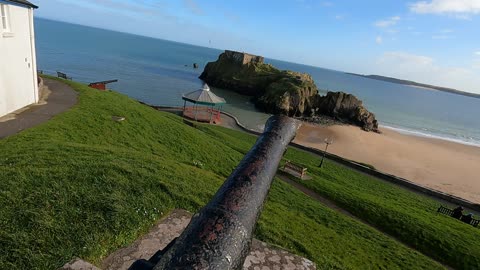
220, 235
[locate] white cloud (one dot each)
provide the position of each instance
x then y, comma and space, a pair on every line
477, 53
443, 34
443, 37
327, 4
446, 31
379, 40
388, 22
425, 69
476, 64
391, 31
405, 59
446, 7
193, 7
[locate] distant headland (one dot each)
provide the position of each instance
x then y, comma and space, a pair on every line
283, 91
412, 83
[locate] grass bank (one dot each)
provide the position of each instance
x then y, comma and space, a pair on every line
82, 185
410, 217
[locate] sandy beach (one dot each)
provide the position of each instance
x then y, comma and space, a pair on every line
442, 165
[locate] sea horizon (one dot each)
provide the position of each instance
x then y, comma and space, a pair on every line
179, 42
149, 66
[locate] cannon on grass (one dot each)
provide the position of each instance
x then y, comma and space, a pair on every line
220, 235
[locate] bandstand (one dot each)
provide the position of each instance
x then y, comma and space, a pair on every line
206, 106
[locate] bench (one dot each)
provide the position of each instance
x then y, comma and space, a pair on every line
296, 168
475, 222
449, 212
63, 75
445, 211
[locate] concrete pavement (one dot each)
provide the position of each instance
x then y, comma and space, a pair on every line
56, 98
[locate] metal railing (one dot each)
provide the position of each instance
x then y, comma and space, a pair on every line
220, 235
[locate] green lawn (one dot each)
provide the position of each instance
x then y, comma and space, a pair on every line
410, 217
403, 214
82, 185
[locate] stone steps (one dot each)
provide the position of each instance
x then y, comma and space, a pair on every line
262, 256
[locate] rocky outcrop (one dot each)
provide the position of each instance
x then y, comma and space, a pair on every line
283, 92
274, 91
290, 95
347, 108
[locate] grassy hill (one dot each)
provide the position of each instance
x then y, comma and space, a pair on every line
82, 185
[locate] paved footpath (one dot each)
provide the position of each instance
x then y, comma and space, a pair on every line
57, 97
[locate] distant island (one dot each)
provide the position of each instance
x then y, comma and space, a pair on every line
412, 83
284, 92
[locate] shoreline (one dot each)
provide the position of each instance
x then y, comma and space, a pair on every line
420, 134
438, 164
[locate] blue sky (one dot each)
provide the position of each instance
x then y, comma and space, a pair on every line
431, 41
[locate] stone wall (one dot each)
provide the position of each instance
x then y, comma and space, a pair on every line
243, 58
261, 256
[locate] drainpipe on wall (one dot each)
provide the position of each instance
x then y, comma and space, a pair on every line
33, 56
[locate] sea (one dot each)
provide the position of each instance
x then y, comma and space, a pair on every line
159, 72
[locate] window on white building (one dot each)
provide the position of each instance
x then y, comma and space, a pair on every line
5, 24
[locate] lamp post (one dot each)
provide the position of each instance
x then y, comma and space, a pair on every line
327, 141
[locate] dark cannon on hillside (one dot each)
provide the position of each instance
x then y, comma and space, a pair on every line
101, 85
220, 235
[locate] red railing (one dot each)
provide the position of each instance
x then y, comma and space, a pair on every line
203, 114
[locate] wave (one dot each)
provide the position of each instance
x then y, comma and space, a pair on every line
466, 141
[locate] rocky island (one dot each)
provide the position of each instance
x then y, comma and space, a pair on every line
284, 92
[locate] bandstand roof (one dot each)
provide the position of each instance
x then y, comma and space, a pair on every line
203, 96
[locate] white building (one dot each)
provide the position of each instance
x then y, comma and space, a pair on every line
18, 67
